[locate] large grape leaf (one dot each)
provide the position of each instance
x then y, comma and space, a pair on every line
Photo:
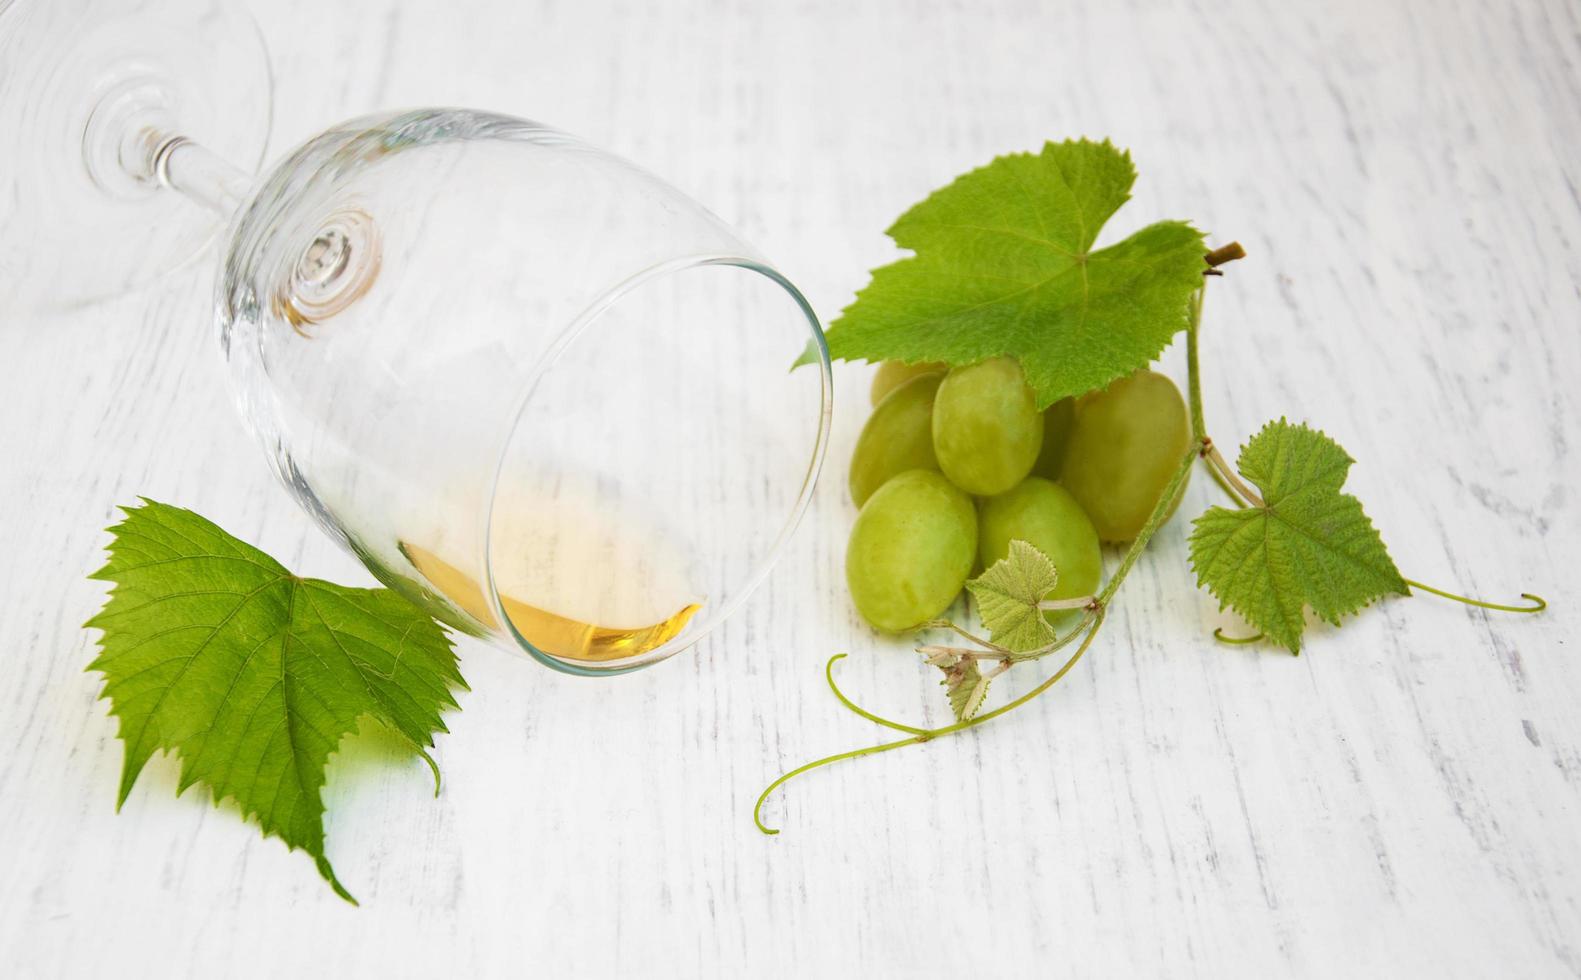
251, 675
1004, 264
1310, 545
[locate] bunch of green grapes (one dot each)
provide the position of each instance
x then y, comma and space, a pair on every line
955, 463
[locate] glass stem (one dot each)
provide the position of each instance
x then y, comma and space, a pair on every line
205, 179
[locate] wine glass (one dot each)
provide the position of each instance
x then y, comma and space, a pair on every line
531, 386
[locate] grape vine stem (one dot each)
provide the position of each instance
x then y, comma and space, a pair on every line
1247, 496
828, 675
1161, 511
925, 735
1055, 605
1199, 428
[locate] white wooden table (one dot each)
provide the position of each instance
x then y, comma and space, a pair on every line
1403, 799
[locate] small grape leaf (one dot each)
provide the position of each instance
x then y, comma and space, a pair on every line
1004, 264
966, 687
251, 675
1310, 545
1008, 593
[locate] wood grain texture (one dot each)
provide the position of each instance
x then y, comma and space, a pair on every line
1403, 799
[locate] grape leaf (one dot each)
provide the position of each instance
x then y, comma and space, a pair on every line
966, 687
1008, 593
251, 675
1310, 545
1004, 264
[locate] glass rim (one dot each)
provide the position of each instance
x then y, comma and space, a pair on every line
568, 335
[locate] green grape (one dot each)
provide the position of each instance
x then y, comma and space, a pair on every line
892, 374
1046, 516
987, 429
1125, 444
898, 436
1056, 435
910, 551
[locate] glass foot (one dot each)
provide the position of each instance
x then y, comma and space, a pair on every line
89, 91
